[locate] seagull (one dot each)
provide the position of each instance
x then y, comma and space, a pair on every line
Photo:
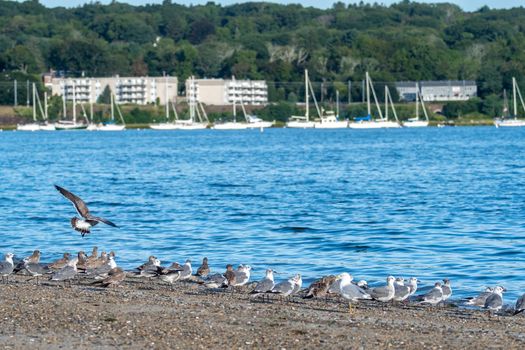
242, 275
335, 287
171, 274
230, 275
481, 298
286, 288
152, 260
102, 272
265, 285
319, 288
82, 225
186, 270
150, 269
412, 284
447, 289
384, 293
298, 284
94, 255
402, 292
217, 280
204, 269
6, 267
115, 277
82, 261
494, 301
68, 273
520, 305
349, 290
60, 263
433, 296
35, 269
34, 258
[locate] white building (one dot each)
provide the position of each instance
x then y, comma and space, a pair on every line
447, 90
133, 90
222, 92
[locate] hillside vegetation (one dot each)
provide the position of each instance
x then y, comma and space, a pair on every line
404, 41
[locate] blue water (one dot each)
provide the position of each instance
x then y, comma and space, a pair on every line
430, 203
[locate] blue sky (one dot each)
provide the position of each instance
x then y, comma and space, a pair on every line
469, 5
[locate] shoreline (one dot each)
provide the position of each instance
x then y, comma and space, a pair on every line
145, 313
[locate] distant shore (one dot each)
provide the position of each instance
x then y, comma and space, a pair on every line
9, 127
147, 314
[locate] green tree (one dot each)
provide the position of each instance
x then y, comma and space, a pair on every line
105, 96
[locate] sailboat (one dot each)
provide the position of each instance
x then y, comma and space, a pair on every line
65, 124
299, 121
253, 121
91, 124
31, 126
111, 125
167, 125
416, 122
367, 122
505, 122
330, 119
192, 123
234, 125
45, 126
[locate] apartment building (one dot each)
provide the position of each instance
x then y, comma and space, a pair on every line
448, 90
127, 90
222, 92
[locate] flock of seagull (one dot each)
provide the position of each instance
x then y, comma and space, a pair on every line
103, 270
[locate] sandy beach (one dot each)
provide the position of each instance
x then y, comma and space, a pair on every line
148, 314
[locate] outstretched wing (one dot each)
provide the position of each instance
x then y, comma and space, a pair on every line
79, 204
107, 222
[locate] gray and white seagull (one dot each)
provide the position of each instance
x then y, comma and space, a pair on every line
82, 225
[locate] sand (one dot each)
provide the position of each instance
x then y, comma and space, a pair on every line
148, 314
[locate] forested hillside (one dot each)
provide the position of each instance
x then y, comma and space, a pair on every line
405, 41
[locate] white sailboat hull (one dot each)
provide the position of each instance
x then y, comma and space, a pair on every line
331, 125
509, 123
64, 125
47, 127
260, 124
297, 124
28, 127
111, 127
194, 126
164, 126
92, 127
231, 126
376, 124
415, 124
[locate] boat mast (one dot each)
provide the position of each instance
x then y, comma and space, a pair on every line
515, 102
193, 97
337, 104
417, 101
64, 110
112, 112
167, 98
306, 87
234, 99
45, 106
34, 103
371, 87
74, 104
386, 102
369, 109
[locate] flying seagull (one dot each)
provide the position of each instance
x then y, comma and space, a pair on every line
82, 225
